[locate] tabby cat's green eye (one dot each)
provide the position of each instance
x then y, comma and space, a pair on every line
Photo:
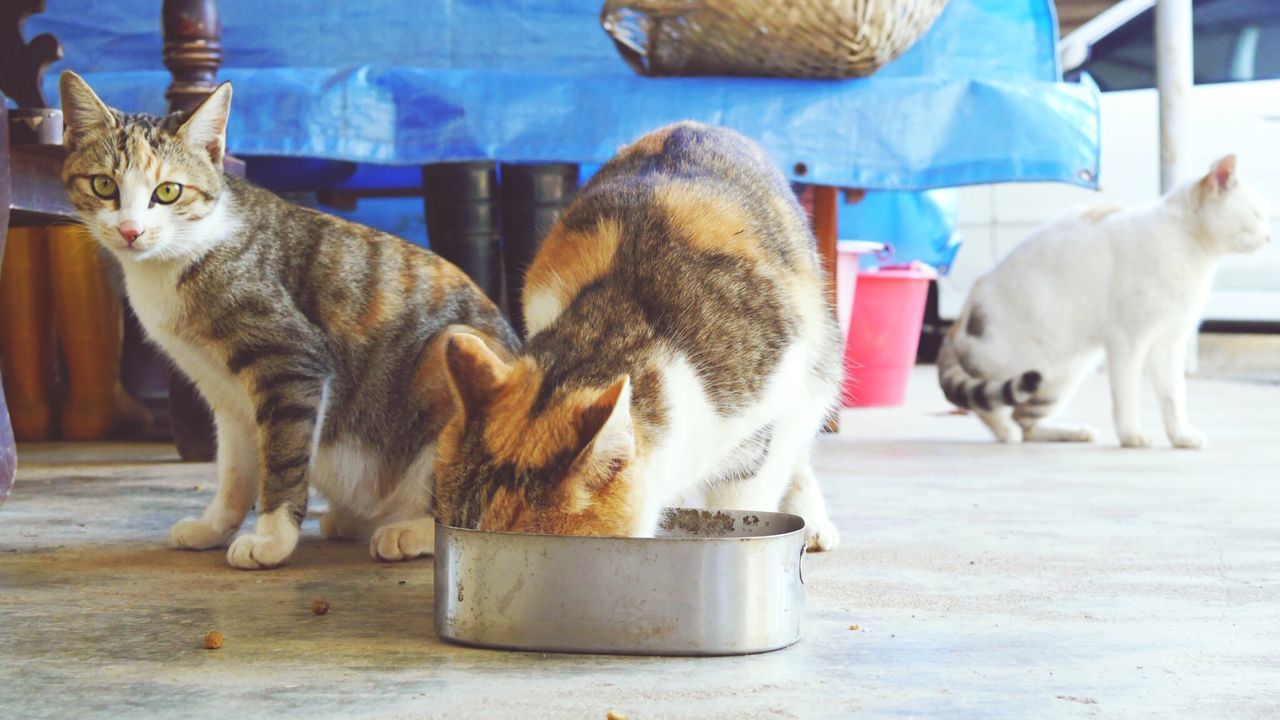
167, 192
104, 187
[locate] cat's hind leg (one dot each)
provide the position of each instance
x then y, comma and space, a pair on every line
237, 483
1033, 418
998, 422
772, 471
804, 498
408, 531
404, 540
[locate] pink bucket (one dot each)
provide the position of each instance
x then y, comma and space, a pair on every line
884, 334
848, 252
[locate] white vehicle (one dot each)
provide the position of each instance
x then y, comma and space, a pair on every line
1234, 107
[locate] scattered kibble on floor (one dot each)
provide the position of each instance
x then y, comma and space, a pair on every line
320, 607
855, 628
213, 640
615, 716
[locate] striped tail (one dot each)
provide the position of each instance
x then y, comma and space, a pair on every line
966, 391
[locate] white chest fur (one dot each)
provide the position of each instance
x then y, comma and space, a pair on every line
688, 461
153, 293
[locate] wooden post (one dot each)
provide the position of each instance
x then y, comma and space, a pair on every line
8, 451
826, 229
192, 50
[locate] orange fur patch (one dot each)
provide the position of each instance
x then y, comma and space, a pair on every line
612, 512
569, 261
708, 221
513, 435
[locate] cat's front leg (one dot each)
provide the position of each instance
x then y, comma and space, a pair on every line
1167, 367
1124, 366
286, 424
237, 487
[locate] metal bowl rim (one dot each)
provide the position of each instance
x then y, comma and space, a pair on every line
624, 538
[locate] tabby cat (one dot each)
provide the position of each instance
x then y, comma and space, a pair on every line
317, 342
682, 351
1130, 282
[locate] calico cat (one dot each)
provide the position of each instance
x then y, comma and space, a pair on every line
1130, 282
318, 343
681, 351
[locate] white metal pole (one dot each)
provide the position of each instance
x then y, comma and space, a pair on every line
1174, 76
1174, 69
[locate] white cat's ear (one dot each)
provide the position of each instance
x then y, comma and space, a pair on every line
82, 110
475, 372
1222, 175
205, 130
609, 437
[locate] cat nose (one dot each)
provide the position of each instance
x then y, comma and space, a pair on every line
130, 231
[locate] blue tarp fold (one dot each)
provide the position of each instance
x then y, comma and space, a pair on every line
976, 100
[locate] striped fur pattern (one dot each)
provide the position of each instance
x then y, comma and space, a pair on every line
681, 351
318, 343
964, 390
1124, 284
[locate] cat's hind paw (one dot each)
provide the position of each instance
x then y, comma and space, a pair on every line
1189, 439
404, 540
1135, 439
198, 534
268, 546
821, 535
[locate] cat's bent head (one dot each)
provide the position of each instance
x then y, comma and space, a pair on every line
1233, 217
143, 184
518, 457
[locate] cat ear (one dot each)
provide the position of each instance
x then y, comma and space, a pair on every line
1222, 175
475, 371
205, 130
82, 111
608, 436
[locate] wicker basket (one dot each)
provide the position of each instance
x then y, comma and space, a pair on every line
780, 38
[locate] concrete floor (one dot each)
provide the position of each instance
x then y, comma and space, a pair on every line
988, 581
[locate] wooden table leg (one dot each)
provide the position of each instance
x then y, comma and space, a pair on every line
826, 229
8, 450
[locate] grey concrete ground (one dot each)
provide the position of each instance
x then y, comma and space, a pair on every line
987, 581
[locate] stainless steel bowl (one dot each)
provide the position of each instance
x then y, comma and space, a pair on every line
711, 583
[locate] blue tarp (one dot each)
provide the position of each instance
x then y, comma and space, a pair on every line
381, 81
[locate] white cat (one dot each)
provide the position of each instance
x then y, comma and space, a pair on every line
1130, 282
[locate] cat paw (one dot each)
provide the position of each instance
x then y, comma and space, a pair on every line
821, 535
1008, 435
1080, 433
1189, 439
198, 534
1135, 439
268, 546
403, 540
258, 552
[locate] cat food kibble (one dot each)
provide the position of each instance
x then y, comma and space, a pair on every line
213, 640
320, 607
615, 716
